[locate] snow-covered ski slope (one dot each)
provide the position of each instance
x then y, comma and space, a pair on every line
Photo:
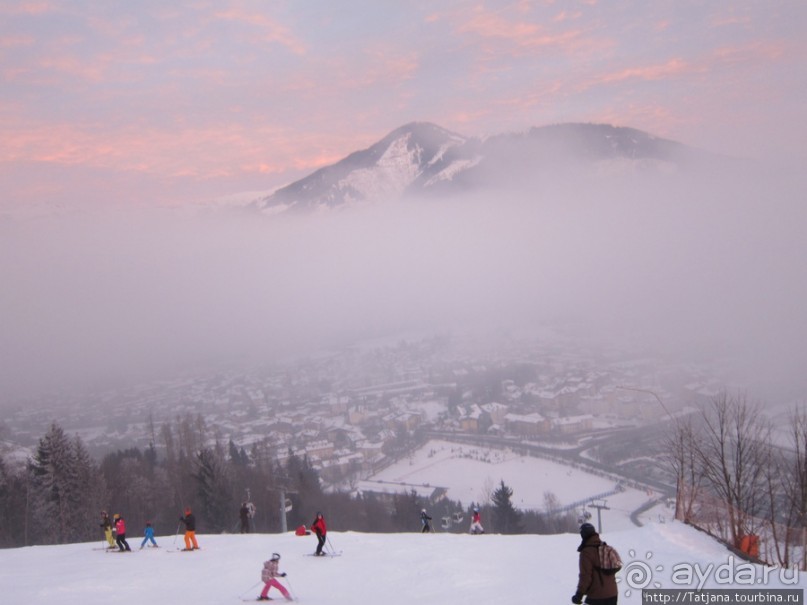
471, 473
388, 569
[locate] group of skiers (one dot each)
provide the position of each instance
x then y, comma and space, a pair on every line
117, 526
115, 532
476, 522
596, 582
596, 579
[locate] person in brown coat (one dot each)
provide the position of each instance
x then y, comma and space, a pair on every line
597, 587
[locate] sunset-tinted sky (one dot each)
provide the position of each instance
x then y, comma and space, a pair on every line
189, 100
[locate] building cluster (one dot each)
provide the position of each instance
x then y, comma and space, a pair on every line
352, 411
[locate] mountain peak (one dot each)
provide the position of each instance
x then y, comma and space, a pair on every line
421, 158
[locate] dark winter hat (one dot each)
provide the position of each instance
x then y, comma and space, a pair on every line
587, 530
275, 556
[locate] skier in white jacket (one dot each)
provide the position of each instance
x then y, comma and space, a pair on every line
269, 575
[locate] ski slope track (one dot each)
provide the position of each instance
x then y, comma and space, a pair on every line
393, 569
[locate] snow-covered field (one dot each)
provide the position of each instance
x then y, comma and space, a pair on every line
393, 569
471, 473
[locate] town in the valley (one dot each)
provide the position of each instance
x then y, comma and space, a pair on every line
356, 410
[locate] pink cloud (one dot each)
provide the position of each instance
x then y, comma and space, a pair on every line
723, 20
387, 66
16, 41
514, 35
567, 16
204, 152
673, 67
74, 67
469, 117
751, 53
487, 24
28, 8
271, 30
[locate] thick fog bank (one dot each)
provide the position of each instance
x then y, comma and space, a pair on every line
706, 266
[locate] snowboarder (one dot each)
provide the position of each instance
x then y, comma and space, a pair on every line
148, 534
269, 575
476, 523
597, 588
318, 526
120, 533
424, 520
106, 525
190, 530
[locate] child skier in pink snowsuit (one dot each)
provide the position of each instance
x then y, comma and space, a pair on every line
269, 575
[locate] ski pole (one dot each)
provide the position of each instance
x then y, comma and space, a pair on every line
330, 546
241, 596
291, 590
174, 543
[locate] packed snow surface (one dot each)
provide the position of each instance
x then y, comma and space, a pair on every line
471, 473
393, 569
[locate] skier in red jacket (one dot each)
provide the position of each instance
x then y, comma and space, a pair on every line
318, 527
476, 523
120, 533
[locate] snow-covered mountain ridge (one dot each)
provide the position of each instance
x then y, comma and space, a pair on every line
423, 159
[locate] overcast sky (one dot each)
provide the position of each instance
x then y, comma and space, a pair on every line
185, 101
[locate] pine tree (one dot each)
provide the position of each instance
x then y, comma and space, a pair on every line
62, 476
5, 505
86, 493
214, 490
506, 519
47, 490
303, 487
406, 511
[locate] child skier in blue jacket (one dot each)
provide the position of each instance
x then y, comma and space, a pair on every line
149, 533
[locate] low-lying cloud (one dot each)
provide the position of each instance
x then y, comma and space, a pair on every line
709, 265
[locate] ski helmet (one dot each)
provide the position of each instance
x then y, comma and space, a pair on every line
587, 530
275, 556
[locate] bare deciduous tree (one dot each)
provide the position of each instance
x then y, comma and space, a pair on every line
733, 454
794, 481
682, 449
